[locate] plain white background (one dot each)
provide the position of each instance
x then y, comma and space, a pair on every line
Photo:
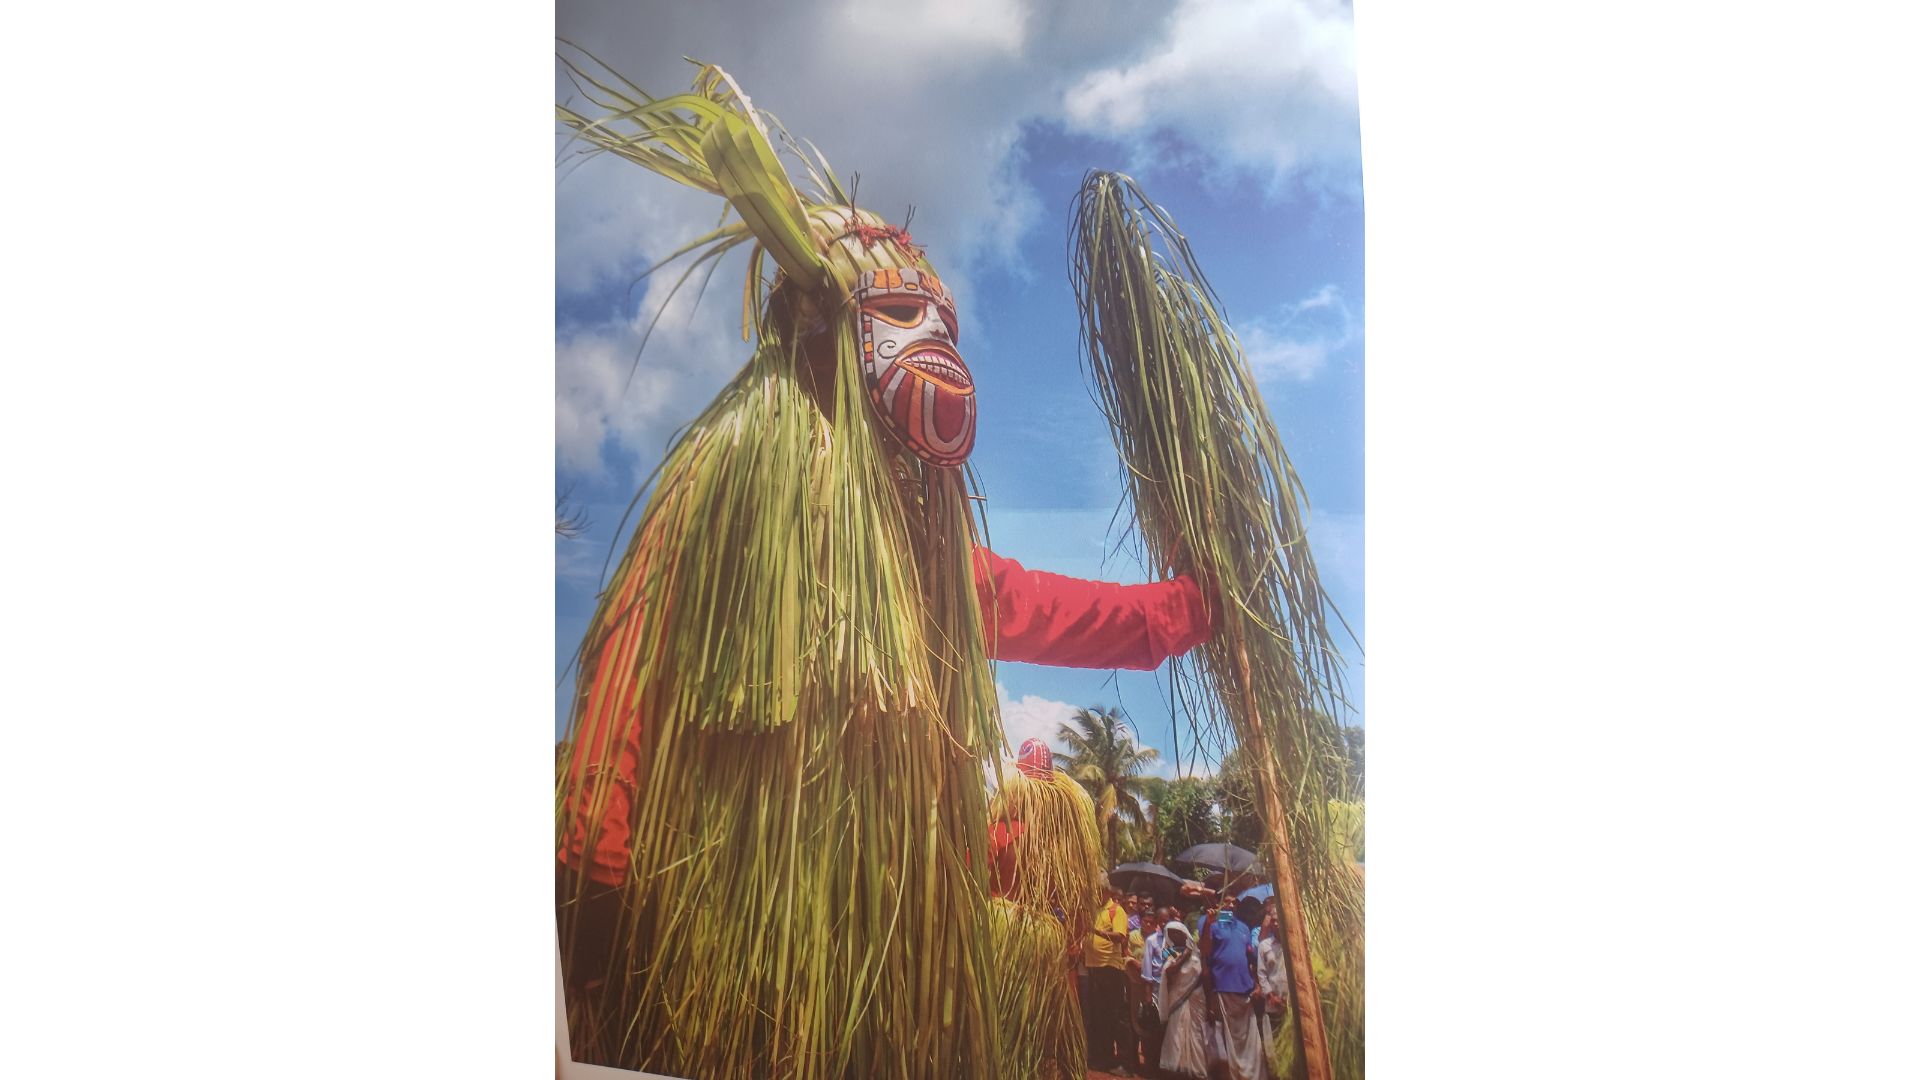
277, 423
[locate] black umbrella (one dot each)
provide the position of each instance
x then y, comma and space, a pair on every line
1163, 883
1223, 857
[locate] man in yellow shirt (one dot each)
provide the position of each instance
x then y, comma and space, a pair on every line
1108, 1028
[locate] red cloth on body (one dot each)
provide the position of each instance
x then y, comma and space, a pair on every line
1029, 615
1043, 618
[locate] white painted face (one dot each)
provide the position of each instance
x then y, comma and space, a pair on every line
919, 386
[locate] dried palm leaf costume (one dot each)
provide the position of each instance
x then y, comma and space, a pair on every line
1046, 883
772, 825
1207, 477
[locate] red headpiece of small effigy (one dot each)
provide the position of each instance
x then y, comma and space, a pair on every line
1036, 758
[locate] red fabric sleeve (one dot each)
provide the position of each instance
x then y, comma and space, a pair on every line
1043, 618
592, 773
606, 758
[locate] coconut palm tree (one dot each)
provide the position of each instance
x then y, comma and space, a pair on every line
1102, 755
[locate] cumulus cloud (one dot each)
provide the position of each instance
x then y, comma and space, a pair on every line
1032, 717
937, 28
927, 100
913, 96
924, 99
1269, 85
607, 229
600, 393
1296, 342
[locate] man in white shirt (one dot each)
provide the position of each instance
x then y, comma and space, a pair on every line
1154, 955
1156, 952
1270, 974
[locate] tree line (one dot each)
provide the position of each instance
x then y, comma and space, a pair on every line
1151, 819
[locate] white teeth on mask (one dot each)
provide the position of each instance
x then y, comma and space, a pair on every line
939, 365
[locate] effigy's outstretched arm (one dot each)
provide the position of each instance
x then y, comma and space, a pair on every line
1043, 618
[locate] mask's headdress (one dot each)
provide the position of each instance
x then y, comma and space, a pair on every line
834, 261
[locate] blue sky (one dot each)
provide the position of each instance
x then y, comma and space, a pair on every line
1239, 118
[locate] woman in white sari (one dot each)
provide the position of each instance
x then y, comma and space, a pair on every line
1183, 1007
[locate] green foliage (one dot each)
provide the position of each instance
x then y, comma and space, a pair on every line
1344, 778
1185, 815
1138, 842
1350, 828
1355, 738
1350, 1056
1239, 794
1102, 755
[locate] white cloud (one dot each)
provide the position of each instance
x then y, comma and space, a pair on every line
1268, 85
607, 228
1036, 717
1295, 343
1032, 717
916, 98
692, 352
1272, 355
935, 31
923, 99
926, 100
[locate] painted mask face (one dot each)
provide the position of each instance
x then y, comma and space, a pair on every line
919, 386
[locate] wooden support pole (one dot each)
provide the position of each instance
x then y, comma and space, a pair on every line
1310, 1028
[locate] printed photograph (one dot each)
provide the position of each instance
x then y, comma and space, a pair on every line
959, 561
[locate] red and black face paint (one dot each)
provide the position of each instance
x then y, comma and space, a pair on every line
917, 382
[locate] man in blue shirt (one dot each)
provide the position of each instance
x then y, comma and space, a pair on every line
1228, 952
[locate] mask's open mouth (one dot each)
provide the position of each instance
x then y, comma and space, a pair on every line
940, 367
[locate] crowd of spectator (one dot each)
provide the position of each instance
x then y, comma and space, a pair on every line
1169, 995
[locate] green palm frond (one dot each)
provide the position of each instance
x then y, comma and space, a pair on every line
1212, 490
712, 139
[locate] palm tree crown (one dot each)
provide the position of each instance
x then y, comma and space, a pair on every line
1101, 755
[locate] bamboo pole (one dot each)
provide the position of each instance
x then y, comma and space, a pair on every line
1310, 1030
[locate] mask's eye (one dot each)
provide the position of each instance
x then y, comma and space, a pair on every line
899, 313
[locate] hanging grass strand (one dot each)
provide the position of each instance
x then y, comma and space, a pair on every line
1212, 491
789, 653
